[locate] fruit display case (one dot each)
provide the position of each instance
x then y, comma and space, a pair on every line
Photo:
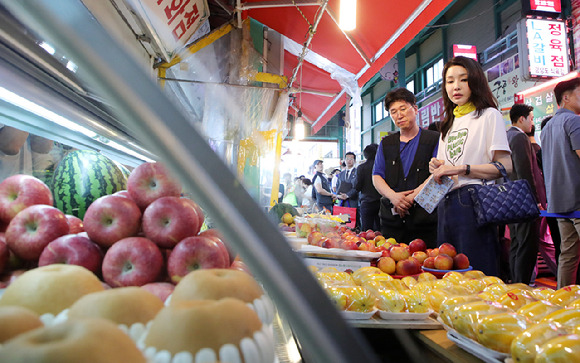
153, 129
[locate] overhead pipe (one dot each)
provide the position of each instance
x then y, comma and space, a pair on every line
311, 33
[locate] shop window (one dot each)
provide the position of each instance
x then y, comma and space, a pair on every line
411, 85
433, 73
379, 112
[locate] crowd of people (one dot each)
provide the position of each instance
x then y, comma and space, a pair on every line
469, 146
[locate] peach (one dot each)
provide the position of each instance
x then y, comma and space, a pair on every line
387, 265
400, 253
433, 252
429, 262
407, 267
443, 262
460, 262
448, 249
420, 256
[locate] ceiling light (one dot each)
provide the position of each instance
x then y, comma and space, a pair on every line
347, 15
299, 127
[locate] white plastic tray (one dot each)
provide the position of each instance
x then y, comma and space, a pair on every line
354, 315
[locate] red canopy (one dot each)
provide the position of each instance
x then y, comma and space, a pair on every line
384, 27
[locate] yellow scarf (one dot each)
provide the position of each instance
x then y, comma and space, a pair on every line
463, 110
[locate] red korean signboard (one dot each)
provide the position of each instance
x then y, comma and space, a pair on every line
553, 6
469, 51
173, 21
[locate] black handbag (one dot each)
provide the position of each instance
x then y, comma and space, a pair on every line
510, 202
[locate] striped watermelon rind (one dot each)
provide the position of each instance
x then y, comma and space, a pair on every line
82, 177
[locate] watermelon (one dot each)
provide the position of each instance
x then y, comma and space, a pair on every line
278, 210
83, 176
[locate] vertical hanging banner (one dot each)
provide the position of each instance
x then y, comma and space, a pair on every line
172, 21
543, 47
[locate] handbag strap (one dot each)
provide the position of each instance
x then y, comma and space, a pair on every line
501, 169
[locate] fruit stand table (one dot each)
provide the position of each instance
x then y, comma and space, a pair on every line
438, 343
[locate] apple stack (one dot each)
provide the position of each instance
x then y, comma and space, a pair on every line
147, 234
403, 260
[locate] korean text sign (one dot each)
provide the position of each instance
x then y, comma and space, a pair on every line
175, 21
547, 48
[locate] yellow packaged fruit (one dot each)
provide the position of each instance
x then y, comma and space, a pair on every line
339, 296
496, 290
515, 299
565, 295
562, 349
526, 345
367, 270
487, 296
473, 285
423, 287
335, 276
474, 274
447, 307
564, 317
458, 290
537, 310
361, 300
329, 269
499, 330
453, 276
395, 284
436, 298
574, 304
409, 281
466, 317
379, 278
519, 286
442, 284
426, 276
416, 302
542, 293
492, 280
390, 300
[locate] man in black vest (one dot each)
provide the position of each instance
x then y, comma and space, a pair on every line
400, 171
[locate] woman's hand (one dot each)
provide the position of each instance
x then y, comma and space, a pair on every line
434, 164
445, 170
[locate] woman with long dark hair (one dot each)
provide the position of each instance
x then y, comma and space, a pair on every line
473, 135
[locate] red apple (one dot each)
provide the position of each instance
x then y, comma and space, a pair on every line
132, 261
314, 238
200, 215
460, 262
18, 192
417, 245
241, 265
420, 256
429, 262
111, 218
363, 235
150, 181
160, 289
407, 267
329, 243
193, 253
75, 224
4, 253
218, 237
371, 234
349, 245
399, 253
168, 220
447, 249
387, 265
34, 228
443, 262
123, 193
434, 252
73, 249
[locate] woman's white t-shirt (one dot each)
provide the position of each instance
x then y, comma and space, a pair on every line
473, 140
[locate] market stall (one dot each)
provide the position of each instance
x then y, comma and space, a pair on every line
152, 128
